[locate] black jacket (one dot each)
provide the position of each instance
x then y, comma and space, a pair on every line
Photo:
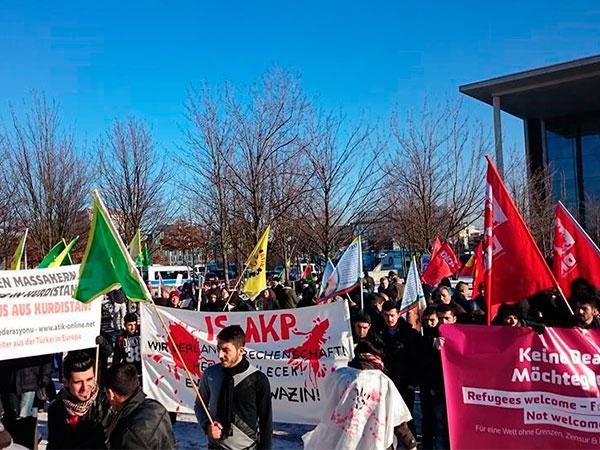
286, 297
25, 374
89, 432
142, 423
432, 374
403, 354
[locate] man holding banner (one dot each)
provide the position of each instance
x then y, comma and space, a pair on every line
239, 398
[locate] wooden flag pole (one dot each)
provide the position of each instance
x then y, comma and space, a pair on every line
236, 285
562, 294
185, 368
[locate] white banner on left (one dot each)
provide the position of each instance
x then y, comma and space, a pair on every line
38, 315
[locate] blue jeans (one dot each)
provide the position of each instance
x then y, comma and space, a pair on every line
22, 405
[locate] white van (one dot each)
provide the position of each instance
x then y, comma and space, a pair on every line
167, 276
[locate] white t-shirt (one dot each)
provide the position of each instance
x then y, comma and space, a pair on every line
360, 412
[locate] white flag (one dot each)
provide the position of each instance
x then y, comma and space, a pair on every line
329, 269
347, 274
413, 291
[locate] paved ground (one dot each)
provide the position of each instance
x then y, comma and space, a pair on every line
189, 436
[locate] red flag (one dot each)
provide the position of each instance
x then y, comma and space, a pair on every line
575, 254
443, 264
477, 269
514, 266
436, 246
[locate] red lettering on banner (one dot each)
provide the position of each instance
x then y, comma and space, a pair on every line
21, 310
268, 329
221, 322
251, 331
209, 329
288, 321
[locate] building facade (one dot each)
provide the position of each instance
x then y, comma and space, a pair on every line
560, 109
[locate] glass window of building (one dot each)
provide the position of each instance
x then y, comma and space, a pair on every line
561, 147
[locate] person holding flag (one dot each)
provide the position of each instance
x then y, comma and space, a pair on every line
257, 267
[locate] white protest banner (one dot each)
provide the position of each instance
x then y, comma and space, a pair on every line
38, 315
296, 348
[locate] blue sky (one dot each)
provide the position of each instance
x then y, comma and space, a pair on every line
107, 60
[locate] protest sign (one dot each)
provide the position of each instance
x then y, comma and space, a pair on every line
38, 315
296, 348
512, 388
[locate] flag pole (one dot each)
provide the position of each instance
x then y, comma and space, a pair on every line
362, 303
185, 368
247, 264
97, 362
136, 274
236, 284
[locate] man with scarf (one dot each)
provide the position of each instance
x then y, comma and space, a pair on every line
76, 419
238, 397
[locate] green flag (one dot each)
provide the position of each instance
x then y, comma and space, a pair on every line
146, 257
106, 263
52, 254
135, 248
15, 262
57, 255
61, 258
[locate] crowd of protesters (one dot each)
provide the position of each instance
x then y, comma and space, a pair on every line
409, 347
105, 407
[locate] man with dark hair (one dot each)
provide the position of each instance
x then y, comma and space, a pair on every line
402, 349
446, 314
361, 329
238, 398
138, 422
128, 345
586, 312
77, 418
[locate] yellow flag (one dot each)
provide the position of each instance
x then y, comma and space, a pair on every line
135, 247
257, 266
15, 262
62, 255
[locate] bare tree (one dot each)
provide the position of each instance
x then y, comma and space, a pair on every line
344, 184
435, 174
531, 190
134, 177
209, 144
51, 178
263, 173
8, 218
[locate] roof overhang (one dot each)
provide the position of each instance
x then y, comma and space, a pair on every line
566, 89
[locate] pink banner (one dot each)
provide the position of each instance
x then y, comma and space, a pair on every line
512, 388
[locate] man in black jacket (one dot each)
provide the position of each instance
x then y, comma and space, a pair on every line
137, 422
402, 344
76, 419
286, 296
238, 398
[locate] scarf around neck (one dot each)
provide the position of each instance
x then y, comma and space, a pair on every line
76, 407
225, 404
